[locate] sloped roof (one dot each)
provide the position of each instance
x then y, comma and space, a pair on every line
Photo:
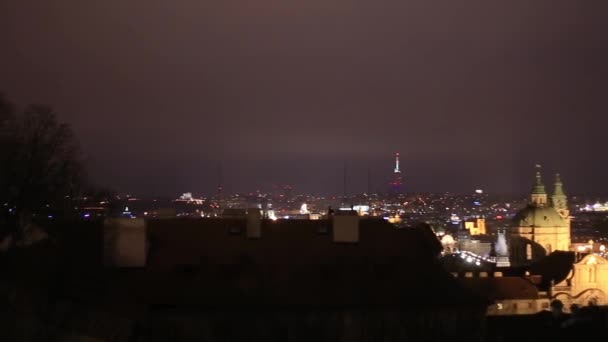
294, 263
223, 241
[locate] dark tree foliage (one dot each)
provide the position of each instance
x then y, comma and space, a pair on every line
41, 166
554, 268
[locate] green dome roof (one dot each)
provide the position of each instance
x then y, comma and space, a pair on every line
538, 217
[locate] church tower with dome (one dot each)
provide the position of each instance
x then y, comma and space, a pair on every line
542, 226
559, 199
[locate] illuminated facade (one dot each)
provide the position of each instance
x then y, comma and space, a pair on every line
587, 282
542, 226
476, 226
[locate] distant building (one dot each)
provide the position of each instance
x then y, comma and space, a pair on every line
476, 246
476, 226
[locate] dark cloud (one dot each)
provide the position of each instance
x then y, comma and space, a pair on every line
471, 93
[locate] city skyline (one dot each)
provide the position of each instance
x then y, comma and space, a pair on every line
359, 183
316, 170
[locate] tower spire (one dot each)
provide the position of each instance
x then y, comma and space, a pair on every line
539, 194
559, 200
397, 181
559, 186
539, 187
397, 170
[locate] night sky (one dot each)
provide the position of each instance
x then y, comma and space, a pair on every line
472, 94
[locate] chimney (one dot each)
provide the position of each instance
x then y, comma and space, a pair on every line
125, 242
346, 227
254, 223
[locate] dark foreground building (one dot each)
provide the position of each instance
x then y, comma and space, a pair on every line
343, 279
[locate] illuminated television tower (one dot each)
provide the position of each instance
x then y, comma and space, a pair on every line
397, 182
397, 163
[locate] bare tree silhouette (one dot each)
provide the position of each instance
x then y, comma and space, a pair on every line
41, 166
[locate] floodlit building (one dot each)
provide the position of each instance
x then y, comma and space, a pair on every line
587, 281
476, 226
542, 227
539, 242
540, 237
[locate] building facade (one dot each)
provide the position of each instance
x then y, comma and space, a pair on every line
543, 226
587, 282
476, 226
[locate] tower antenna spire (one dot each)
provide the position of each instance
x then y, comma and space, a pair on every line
396, 183
397, 170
